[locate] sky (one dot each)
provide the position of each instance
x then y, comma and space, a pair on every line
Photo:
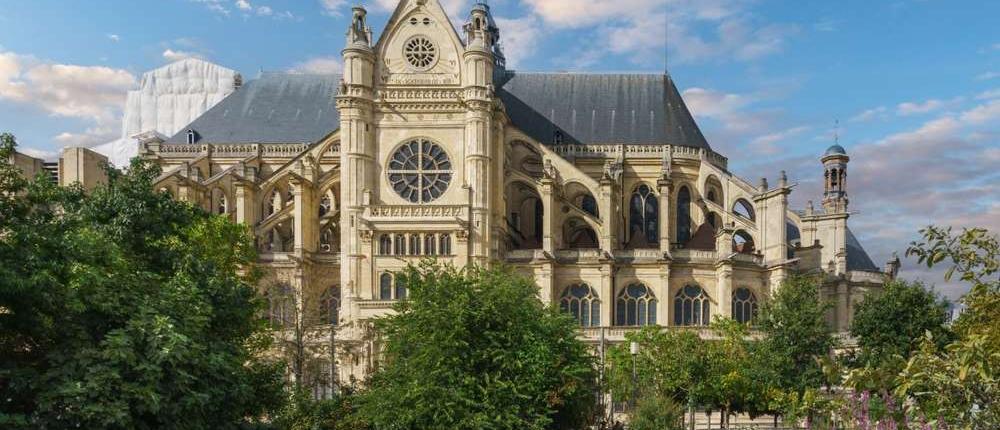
911, 87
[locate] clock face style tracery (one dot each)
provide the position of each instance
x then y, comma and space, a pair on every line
420, 53
419, 171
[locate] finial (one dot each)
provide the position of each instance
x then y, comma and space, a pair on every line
836, 131
783, 181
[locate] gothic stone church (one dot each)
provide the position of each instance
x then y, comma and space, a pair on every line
600, 187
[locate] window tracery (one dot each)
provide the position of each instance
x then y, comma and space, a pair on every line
635, 306
419, 171
691, 307
582, 302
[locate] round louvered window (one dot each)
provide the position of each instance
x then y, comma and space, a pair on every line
419, 171
420, 52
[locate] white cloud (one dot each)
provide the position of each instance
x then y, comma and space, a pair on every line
989, 94
713, 104
988, 113
768, 143
930, 105
244, 5
333, 7
870, 114
265, 11
177, 55
93, 93
319, 65
114, 37
519, 37
215, 6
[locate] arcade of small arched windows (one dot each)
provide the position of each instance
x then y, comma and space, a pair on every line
414, 244
391, 287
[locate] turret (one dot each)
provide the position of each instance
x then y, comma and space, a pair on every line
481, 51
835, 179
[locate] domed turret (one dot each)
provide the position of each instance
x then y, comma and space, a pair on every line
835, 150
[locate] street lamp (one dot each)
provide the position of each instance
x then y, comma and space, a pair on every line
633, 348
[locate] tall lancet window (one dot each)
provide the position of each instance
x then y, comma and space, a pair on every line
644, 218
683, 215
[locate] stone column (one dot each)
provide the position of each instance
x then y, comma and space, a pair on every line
609, 221
245, 203
549, 218
724, 288
665, 187
306, 216
664, 310
606, 290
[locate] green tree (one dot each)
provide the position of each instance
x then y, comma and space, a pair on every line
959, 385
657, 412
796, 334
669, 363
122, 308
889, 324
474, 349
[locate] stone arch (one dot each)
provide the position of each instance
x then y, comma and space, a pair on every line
579, 234
713, 190
743, 209
525, 158
525, 215
743, 242
581, 197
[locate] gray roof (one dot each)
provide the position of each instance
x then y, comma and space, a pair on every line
585, 108
857, 258
275, 108
599, 108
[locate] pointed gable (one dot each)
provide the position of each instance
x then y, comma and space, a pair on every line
423, 24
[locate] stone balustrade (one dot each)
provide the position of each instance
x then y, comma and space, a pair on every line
416, 211
639, 151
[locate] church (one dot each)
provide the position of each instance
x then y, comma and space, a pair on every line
600, 187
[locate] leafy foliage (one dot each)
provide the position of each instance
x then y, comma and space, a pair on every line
302, 412
125, 309
796, 334
890, 324
473, 349
657, 412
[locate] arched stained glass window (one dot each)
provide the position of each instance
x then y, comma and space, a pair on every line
635, 306
400, 288
281, 305
744, 305
691, 307
329, 305
589, 204
581, 301
644, 217
683, 215
385, 287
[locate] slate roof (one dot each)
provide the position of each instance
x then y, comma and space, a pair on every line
857, 258
275, 108
585, 108
599, 108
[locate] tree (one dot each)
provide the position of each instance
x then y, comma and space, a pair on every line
657, 412
796, 334
888, 325
123, 308
475, 348
959, 385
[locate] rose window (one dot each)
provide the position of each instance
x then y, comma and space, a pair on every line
420, 53
419, 171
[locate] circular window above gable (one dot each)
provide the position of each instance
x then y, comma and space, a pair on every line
420, 53
419, 171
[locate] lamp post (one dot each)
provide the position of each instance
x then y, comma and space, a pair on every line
633, 349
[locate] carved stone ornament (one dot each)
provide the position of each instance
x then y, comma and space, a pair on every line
366, 236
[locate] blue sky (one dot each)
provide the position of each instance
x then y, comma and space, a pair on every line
915, 84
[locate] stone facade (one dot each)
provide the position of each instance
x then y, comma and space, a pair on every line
431, 155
